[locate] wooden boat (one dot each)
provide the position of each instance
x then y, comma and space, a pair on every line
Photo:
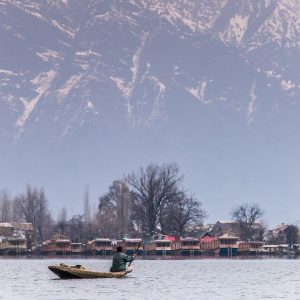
78, 271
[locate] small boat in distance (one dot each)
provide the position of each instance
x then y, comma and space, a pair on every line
79, 272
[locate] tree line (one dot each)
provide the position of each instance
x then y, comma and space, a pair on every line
148, 201
151, 200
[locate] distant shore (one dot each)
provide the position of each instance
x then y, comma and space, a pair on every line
149, 257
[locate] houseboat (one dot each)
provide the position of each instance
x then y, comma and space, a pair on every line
130, 246
16, 245
100, 246
76, 248
158, 247
209, 245
176, 247
271, 249
58, 245
228, 245
13, 245
190, 246
282, 249
6, 229
3, 245
250, 248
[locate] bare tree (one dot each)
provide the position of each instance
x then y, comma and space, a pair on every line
261, 230
121, 198
115, 208
33, 208
106, 217
155, 187
43, 218
186, 214
86, 206
137, 216
76, 227
247, 216
292, 235
16, 210
62, 222
5, 206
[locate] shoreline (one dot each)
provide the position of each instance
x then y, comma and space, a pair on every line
148, 257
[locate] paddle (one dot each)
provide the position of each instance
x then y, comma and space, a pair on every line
135, 252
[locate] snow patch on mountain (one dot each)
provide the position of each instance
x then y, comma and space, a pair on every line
43, 83
49, 55
29, 10
235, 30
90, 105
173, 15
199, 92
136, 62
115, 16
80, 117
251, 104
88, 53
63, 28
8, 72
157, 110
127, 87
287, 85
34, 10
67, 87
83, 59
283, 25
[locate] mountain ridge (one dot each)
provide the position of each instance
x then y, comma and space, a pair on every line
123, 69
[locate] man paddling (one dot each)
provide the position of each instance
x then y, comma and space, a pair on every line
120, 259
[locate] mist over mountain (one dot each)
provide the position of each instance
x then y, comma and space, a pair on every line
92, 90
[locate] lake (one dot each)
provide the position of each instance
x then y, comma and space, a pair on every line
156, 279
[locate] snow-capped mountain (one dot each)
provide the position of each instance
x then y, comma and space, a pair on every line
126, 72
64, 61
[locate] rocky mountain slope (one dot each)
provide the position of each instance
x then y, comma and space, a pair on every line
66, 62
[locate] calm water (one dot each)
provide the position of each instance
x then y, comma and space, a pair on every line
156, 279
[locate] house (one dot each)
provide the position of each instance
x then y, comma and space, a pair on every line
225, 227
22, 228
233, 228
278, 235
